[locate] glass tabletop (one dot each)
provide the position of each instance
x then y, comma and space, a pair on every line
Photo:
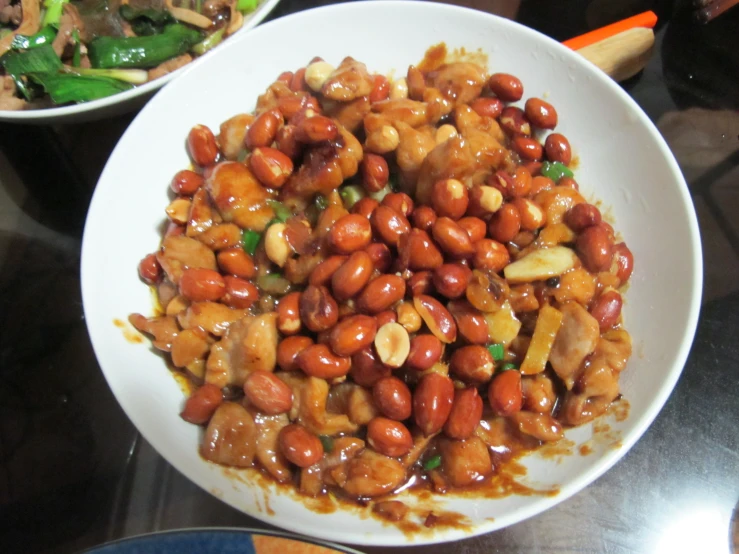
75, 473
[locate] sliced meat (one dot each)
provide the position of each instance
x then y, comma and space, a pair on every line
164, 329
250, 344
268, 451
310, 397
465, 462
576, 340
179, 252
231, 437
459, 82
350, 114
69, 22
239, 196
169, 66
200, 217
29, 25
371, 474
410, 112
232, 135
10, 13
414, 146
211, 316
332, 468
349, 81
8, 99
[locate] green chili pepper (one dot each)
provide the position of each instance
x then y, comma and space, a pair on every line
142, 52
321, 202
432, 463
249, 241
44, 36
507, 366
497, 351
351, 194
282, 213
209, 42
556, 170
327, 442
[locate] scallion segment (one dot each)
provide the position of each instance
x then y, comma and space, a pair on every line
24, 42
209, 42
282, 213
321, 202
507, 366
432, 463
327, 443
497, 351
249, 241
556, 170
351, 194
53, 12
246, 6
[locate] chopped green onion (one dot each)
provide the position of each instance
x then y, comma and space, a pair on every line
508, 366
382, 193
53, 12
351, 194
432, 463
199, 6
77, 55
45, 36
556, 170
242, 155
321, 202
70, 87
273, 283
249, 241
246, 6
133, 76
142, 52
327, 442
209, 42
282, 213
37, 60
497, 351
393, 184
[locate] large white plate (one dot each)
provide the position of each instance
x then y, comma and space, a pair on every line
623, 161
124, 101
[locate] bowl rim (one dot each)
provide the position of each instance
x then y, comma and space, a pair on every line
51, 115
659, 397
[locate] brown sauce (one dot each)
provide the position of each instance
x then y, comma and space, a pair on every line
129, 333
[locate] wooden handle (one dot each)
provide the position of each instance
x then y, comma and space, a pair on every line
623, 55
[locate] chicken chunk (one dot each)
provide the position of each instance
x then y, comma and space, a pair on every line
231, 437
465, 462
239, 196
268, 450
179, 252
371, 474
349, 81
232, 135
164, 329
211, 316
459, 82
576, 340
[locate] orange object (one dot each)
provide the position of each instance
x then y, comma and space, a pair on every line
646, 19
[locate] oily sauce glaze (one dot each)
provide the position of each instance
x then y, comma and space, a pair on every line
378, 286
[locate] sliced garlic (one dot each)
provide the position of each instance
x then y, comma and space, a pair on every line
541, 264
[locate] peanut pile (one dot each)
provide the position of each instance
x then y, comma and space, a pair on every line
372, 282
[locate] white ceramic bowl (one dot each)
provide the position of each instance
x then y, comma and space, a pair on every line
623, 161
125, 101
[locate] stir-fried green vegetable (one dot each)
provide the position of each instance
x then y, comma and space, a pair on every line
351, 194
146, 22
25, 42
432, 463
133, 76
209, 42
246, 6
53, 12
70, 87
556, 170
142, 52
249, 241
497, 351
282, 213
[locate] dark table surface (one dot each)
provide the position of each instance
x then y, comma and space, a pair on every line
75, 473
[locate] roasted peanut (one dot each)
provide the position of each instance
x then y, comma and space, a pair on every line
423, 217
186, 182
444, 133
201, 143
487, 107
367, 369
436, 317
595, 248
288, 350
484, 200
505, 224
432, 402
490, 255
288, 314
568, 182
375, 173
236, 262
392, 344
540, 183
380, 90
388, 316
365, 206
541, 114
275, 244
270, 166
318, 310
514, 122
400, 202
380, 255
450, 280
558, 148
200, 285
399, 89
471, 323
202, 404
527, 147
352, 276
263, 129
383, 140
389, 224
389, 437
315, 129
505, 393
450, 198
417, 251
300, 446
318, 361
506, 87
582, 216
285, 77
149, 269
416, 83
267, 393
317, 73
286, 142
421, 282
298, 81
452, 238
425, 351
472, 364
240, 294
532, 216
465, 415
606, 309
350, 233
381, 293
623, 261
323, 272
408, 317
353, 334
474, 226
393, 398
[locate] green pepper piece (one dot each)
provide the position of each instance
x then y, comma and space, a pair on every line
282, 213
250, 240
507, 367
497, 351
142, 52
25, 42
246, 6
556, 170
432, 463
